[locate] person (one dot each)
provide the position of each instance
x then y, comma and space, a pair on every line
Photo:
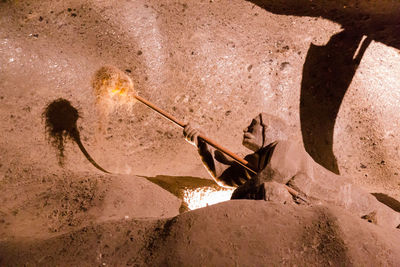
279, 161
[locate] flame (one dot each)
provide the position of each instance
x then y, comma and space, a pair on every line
115, 94
113, 88
119, 91
205, 196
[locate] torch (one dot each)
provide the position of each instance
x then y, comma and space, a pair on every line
111, 84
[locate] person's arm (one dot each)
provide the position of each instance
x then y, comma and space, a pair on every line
226, 172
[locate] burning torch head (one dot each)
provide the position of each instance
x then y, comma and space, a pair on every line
113, 88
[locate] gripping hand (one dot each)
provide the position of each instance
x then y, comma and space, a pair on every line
191, 135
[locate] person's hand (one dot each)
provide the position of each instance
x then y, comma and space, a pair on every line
191, 134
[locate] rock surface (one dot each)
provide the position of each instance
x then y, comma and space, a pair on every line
238, 232
59, 203
330, 69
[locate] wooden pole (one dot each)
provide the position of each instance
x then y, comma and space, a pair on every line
211, 142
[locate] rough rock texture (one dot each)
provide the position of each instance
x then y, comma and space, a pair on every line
239, 232
217, 64
60, 202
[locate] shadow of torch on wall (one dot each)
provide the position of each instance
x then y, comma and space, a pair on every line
61, 118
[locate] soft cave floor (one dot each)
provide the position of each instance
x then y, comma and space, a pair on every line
330, 69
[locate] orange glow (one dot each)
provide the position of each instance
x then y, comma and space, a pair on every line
118, 90
205, 196
113, 88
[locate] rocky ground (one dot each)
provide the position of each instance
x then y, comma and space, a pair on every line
330, 69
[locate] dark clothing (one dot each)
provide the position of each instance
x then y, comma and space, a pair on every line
226, 171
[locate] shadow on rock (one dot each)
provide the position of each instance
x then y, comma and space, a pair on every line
329, 69
388, 201
327, 73
61, 118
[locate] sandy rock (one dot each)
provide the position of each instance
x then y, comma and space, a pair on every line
238, 232
339, 191
67, 201
276, 192
130, 196
275, 234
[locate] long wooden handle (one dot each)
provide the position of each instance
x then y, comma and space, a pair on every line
211, 142
160, 111
238, 159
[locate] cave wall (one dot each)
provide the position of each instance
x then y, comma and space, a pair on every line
216, 64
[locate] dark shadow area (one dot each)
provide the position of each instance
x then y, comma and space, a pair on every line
388, 201
327, 73
61, 118
329, 69
176, 185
